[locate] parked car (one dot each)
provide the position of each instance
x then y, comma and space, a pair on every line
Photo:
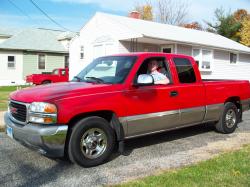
57, 75
114, 99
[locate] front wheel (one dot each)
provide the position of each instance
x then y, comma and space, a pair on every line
91, 142
229, 119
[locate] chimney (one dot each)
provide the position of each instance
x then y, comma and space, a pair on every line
134, 14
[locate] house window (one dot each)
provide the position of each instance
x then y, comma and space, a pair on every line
196, 55
82, 52
233, 58
203, 58
41, 61
66, 61
206, 59
11, 62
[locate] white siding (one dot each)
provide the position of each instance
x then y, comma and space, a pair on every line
95, 32
124, 47
222, 69
11, 76
74, 57
184, 49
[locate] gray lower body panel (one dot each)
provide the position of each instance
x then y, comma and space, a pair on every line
146, 123
139, 125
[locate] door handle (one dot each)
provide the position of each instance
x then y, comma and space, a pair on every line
173, 93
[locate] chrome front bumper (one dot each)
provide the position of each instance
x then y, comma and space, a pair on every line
48, 140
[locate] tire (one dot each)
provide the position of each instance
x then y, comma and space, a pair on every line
46, 82
229, 119
86, 137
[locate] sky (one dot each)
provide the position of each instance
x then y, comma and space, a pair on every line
73, 14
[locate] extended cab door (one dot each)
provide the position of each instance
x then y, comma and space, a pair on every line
151, 108
190, 90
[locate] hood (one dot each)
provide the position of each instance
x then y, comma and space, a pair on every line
46, 93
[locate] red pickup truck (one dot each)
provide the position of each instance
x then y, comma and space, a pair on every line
57, 75
114, 98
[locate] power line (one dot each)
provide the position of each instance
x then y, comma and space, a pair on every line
24, 13
48, 16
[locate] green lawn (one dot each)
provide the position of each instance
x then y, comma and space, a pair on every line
228, 169
4, 95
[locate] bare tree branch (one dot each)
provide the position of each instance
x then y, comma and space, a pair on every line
171, 11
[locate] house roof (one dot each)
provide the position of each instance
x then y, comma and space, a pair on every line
66, 35
142, 28
37, 39
9, 31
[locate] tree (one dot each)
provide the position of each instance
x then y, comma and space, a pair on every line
193, 25
225, 25
245, 31
171, 11
145, 10
164, 11
240, 15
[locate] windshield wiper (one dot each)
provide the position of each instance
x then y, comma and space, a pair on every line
98, 80
78, 78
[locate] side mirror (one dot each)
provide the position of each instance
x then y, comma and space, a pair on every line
144, 80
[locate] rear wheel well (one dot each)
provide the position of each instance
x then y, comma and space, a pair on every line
235, 100
46, 81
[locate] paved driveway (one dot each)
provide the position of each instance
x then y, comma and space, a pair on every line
20, 166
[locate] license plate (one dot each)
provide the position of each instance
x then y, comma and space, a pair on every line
9, 131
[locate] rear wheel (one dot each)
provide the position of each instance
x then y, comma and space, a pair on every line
46, 82
91, 142
229, 119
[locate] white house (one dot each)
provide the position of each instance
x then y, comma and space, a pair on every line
104, 34
31, 50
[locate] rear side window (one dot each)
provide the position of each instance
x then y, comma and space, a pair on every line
185, 70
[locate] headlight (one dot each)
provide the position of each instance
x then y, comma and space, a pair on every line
40, 112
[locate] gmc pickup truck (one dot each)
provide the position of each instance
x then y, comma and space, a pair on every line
114, 98
57, 75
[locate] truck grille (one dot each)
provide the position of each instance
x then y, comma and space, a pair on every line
18, 111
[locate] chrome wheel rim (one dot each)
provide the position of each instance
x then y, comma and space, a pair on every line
230, 118
93, 143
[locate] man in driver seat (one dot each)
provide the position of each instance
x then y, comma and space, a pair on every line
158, 77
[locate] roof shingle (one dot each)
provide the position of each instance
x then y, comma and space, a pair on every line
35, 40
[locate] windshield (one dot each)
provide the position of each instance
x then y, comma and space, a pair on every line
55, 72
112, 69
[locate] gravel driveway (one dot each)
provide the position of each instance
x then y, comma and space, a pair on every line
21, 167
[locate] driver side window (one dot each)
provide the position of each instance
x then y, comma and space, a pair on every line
162, 68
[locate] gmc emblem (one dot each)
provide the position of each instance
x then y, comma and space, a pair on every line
13, 110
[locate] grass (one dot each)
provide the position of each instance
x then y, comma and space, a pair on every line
228, 169
4, 95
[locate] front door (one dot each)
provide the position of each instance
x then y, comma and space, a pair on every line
167, 49
151, 108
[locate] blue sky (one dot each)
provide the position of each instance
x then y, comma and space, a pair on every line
72, 14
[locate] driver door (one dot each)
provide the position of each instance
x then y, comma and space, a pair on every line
151, 108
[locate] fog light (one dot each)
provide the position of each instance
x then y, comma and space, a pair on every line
36, 119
